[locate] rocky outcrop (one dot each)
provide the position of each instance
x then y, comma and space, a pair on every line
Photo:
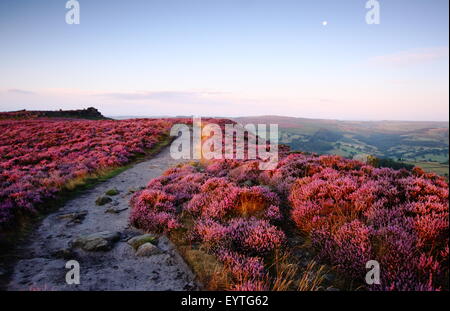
90, 113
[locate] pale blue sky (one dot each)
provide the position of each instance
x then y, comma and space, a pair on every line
229, 58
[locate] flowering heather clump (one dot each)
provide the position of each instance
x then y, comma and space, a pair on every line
221, 168
242, 268
181, 182
398, 218
211, 232
349, 247
153, 210
216, 199
246, 172
254, 236
40, 157
255, 201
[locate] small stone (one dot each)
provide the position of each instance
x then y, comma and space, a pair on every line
103, 200
100, 241
74, 218
112, 192
137, 241
147, 250
115, 210
248, 183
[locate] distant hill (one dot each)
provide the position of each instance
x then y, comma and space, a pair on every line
403, 141
89, 113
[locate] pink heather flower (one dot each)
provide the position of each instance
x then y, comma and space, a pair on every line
242, 267
210, 232
255, 236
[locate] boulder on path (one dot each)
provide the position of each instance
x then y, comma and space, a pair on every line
74, 218
100, 241
103, 200
139, 240
112, 192
147, 250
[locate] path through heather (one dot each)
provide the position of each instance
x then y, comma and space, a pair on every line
42, 261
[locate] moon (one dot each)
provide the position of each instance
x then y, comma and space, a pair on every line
324, 23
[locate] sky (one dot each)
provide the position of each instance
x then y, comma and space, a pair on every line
299, 58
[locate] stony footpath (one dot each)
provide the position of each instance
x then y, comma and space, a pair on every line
93, 229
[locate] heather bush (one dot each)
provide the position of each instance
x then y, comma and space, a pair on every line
254, 236
242, 268
216, 199
357, 213
153, 210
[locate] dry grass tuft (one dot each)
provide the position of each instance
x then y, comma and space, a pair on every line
289, 276
208, 270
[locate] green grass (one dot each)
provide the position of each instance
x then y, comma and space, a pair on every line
433, 167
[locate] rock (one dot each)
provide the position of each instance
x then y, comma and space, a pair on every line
74, 218
103, 200
139, 240
100, 241
115, 210
248, 183
112, 192
147, 250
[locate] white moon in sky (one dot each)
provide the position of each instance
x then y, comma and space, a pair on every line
324, 23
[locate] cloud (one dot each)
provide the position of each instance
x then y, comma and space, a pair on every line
166, 95
411, 57
189, 97
18, 91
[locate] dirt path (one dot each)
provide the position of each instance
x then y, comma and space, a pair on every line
43, 259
